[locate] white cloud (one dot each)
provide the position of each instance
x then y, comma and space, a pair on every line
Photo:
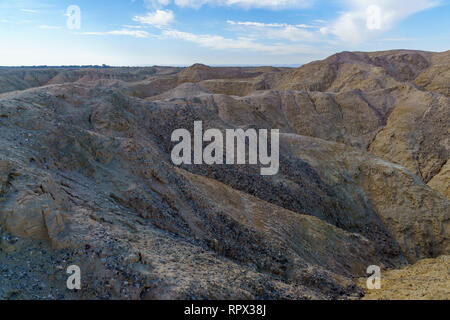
191, 3
128, 26
221, 43
159, 18
156, 4
256, 24
44, 26
28, 10
305, 26
274, 4
132, 33
368, 18
295, 33
267, 25
269, 4
292, 33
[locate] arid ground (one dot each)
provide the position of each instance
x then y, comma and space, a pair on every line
86, 179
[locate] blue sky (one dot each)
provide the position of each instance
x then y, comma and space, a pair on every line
214, 32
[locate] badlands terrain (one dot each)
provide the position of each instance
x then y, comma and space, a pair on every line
86, 179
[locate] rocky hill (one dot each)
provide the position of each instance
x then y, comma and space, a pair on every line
86, 178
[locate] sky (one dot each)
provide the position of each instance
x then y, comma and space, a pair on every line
213, 32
